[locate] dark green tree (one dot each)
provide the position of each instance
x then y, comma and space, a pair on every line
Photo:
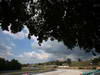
79, 60
69, 61
9, 65
59, 63
15, 65
2, 64
75, 22
96, 61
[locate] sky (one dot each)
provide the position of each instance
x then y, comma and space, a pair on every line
18, 46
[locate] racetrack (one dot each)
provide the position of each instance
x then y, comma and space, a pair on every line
65, 72
57, 72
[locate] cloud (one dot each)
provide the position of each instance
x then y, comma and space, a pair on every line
20, 35
48, 51
60, 52
33, 57
6, 48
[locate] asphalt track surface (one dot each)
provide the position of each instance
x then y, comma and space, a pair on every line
65, 72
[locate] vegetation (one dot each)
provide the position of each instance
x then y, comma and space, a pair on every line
79, 60
30, 68
9, 65
69, 61
53, 65
96, 61
71, 21
90, 64
58, 63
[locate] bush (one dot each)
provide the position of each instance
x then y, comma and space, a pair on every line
9, 65
80, 67
94, 67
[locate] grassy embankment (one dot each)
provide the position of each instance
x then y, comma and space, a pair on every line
51, 66
36, 69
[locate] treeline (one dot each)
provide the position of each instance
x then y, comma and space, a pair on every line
57, 62
96, 61
69, 62
9, 65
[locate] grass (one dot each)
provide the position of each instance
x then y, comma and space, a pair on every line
80, 64
46, 68
40, 69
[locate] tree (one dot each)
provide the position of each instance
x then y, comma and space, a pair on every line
9, 65
79, 59
69, 61
96, 61
15, 65
2, 64
71, 21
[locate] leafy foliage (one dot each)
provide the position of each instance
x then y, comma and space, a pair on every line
96, 61
9, 65
79, 60
69, 61
71, 21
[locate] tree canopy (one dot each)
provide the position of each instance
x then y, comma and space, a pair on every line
9, 65
69, 61
72, 21
95, 61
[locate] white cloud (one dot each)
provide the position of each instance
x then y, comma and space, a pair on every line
60, 52
50, 50
20, 35
33, 57
47, 45
6, 49
6, 46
